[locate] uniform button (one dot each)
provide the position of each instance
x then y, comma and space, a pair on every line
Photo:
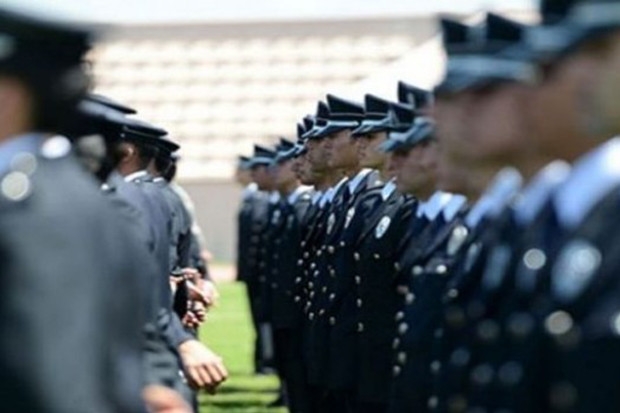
311, 316
313, 265
298, 280
558, 323
396, 343
331, 249
358, 280
401, 357
360, 327
433, 402
300, 262
376, 256
316, 273
452, 293
332, 321
435, 366
510, 373
359, 303
396, 371
563, 396
306, 255
332, 272
324, 289
397, 266
332, 297
402, 328
297, 298
482, 375
409, 298
441, 269
303, 244
342, 244
319, 253
417, 270
356, 256
399, 316
311, 285
274, 285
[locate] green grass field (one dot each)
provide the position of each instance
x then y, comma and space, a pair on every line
228, 332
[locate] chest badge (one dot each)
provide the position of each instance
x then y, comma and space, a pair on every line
382, 226
574, 269
457, 239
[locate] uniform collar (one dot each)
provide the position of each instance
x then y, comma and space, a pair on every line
136, 175
536, 193
388, 189
249, 190
355, 182
453, 206
294, 196
496, 197
316, 197
28, 143
591, 178
431, 208
158, 179
274, 197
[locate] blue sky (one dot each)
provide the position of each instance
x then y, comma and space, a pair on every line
169, 11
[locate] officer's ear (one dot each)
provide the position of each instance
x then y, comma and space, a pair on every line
126, 152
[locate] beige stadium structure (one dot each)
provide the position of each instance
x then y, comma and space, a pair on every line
220, 87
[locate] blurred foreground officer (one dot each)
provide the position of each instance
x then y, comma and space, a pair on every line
64, 322
571, 308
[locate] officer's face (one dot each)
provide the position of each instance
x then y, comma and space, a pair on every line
499, 127
368, 150
342, 150
452, 134
304, 172
261, 175
285, 173
418, 169
557, 107
317, 155
605, 109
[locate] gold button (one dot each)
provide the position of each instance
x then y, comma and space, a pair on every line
376, 256
356, 256
396, 371
396, 343
332, 320
360, 327
399, 316
409, 298
358, 280
397, 266
331, 249
332, 297
402, 358
359, 302
402, 328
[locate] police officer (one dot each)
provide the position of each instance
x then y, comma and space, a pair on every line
66, 323
374, 260
434, 219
